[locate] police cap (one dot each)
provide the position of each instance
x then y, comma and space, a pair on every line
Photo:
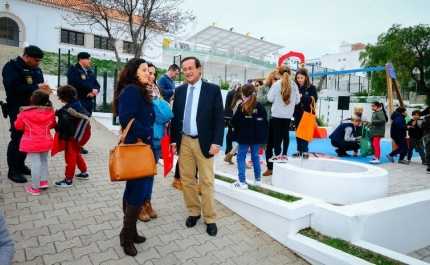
33, 51
83, 55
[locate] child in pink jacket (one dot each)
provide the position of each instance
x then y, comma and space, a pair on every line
36, 121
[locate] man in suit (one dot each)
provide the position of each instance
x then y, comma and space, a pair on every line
197, 134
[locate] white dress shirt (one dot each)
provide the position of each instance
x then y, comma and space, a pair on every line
193, 120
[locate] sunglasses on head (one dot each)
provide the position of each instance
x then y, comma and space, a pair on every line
276, 78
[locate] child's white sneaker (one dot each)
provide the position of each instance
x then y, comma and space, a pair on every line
239, 185
257, 182
374, 161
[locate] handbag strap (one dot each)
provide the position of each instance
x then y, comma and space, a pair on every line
124, 134
312, 106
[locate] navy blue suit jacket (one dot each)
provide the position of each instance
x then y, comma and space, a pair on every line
210, 116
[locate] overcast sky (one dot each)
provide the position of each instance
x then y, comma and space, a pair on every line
313, 27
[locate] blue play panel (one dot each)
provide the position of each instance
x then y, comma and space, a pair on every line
323, 148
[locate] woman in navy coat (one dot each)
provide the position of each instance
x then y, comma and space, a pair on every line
133, 100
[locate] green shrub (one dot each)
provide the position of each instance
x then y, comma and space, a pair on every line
224, 84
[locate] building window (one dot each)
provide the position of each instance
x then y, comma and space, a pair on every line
103, 43
338, 60
344, 59
72, 37
127, 47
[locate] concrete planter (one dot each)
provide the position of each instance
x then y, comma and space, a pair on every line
275, 217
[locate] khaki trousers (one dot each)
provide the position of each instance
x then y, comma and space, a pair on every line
190, 156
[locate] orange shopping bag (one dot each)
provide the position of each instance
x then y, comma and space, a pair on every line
305, 130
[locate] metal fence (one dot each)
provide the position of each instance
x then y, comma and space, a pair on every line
212, 72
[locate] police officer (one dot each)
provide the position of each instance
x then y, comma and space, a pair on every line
21, 76
85, 82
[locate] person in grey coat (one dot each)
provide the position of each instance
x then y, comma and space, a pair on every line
7, 247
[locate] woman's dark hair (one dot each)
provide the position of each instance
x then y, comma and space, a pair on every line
249, 91
40, 98
303, 71
237, 96
128, 76
67, 93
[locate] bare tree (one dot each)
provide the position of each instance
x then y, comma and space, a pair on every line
137, 21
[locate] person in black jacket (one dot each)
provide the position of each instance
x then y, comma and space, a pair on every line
416, 136
398, 134
85, 82
228, 113
250, 129
21, 76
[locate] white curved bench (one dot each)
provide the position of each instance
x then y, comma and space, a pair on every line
333, 181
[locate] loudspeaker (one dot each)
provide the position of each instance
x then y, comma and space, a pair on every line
343, 103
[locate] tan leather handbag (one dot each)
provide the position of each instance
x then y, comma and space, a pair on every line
131, 161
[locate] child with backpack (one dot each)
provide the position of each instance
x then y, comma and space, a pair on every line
36, 121
72, 132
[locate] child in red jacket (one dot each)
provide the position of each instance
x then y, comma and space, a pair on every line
72, 132
36, 121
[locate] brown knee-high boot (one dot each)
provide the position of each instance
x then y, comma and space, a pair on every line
136, 238
128, 234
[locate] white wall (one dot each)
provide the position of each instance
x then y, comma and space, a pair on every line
43, 28
342, 61
405, 220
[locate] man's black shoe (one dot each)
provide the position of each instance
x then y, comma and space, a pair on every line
191, 221
25, 170
84, 151
16, 176
211, 229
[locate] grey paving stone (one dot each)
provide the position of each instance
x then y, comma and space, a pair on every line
225, 254
207, 259
185, 243
37, 252
43, 240
60, 246
78, 252
66, 255
167, 248
168, 259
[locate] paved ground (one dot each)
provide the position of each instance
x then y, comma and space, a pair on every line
80, 225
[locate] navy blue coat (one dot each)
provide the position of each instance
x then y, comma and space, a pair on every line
338, 135
250, 129
20, 81
83, 82
210, 116
306, 100
398, 127
132, 104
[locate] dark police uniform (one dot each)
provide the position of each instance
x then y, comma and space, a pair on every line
19, 81
84, 82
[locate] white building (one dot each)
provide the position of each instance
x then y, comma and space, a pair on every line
41, 23
347, 58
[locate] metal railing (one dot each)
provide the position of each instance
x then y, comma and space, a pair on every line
222, 54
